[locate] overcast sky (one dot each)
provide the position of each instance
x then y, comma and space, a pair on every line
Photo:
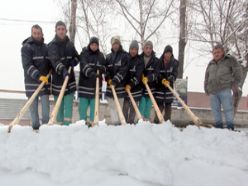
12, 33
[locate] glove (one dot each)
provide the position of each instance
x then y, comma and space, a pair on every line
44, 79
92, 74
73, 62
101, 68
109, 82
144, 80
165, 82
127, 87
65, 73
171, 78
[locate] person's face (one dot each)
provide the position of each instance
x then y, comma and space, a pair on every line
218, 54
147, 50
116, 47
37, 34
93, 47
167, 56
133, 52
61, 32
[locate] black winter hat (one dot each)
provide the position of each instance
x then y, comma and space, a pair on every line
94, 40
60, 23
168, 48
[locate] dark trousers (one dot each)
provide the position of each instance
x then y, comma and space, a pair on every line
128, 111
166, 108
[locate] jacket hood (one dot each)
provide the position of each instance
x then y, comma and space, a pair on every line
31, 40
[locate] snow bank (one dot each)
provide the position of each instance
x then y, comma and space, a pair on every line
129, 155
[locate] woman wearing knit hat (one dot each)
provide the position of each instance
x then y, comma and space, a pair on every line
133, 78
91, 60
117, 68
150, 73
168, 70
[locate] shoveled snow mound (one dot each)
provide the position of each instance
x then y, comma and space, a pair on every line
141, 155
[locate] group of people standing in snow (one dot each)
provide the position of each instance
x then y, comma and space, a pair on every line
124, 70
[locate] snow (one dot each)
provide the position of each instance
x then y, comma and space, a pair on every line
141, 155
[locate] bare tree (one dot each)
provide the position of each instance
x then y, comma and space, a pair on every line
72, 27
145, 16
182, 36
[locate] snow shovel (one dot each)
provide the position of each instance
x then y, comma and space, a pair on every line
158, 112
54, 113
96, 114
27, 105
134, 104
194, 118
118, 106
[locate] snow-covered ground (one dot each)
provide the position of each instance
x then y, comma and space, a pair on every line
141, 155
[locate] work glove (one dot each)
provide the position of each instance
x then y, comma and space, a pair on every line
127, 87
165, 82
65, 73
144, 80
43, 79
101, 68
109, 82
92, 74
73, 62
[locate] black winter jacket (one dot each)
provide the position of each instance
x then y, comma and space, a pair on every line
117, 66
90, 61
163, 94
151, 71
134, 76
35, 64
61, 54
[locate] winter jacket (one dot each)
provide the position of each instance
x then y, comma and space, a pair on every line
222, 75
166, 71
117, 66
134, 76
151, 71
90, 61
35, 64
62, 54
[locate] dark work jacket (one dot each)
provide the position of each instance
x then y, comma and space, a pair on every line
134, 76
61, 53
163, 94
117, 66
89, 61
151, 71
35, 64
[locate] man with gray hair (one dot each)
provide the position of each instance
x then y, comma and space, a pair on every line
222, 77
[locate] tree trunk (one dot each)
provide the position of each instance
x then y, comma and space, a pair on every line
72, 27
182, 37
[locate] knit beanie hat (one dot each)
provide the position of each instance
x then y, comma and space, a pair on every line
60, 23
134, 44
148, 43
168, 48
94, 40
115, 39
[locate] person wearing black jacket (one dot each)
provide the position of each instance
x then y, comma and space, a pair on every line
117, 66
62, 54
36, 67
133, 78
150, 74
91, 61
168, 70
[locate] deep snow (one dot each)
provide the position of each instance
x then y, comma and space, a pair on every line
141, 155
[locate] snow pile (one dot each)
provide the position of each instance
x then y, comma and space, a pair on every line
141, 155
